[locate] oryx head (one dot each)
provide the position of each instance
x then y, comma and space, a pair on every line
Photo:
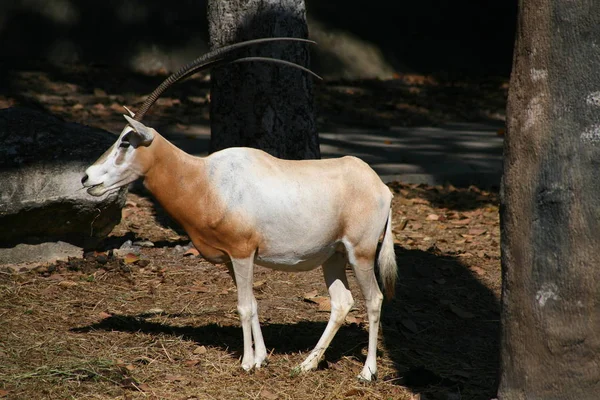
124, 162
129, 158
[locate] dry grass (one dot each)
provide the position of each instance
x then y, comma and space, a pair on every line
148, 334
166, 327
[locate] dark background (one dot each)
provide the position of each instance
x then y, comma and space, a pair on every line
456, 38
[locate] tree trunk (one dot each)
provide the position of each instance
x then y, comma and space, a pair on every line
259, 104
550, 208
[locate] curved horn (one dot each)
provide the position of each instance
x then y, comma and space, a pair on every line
275, 61
212, 59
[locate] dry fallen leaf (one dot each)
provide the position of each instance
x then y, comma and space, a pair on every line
258, 284
4, 393
143, 387
310, 295
131, 258
191, 363
479, 271
104, 315
191, 252
432, 217
200, 288
174, 378
200, 350
323, 302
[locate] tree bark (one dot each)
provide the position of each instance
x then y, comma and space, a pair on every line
258, 104
550, 206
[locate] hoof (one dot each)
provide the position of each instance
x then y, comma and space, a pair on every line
366, 376
247, 367
310, 364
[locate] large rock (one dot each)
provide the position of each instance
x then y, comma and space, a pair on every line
42, 160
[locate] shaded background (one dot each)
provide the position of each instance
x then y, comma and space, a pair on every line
357, 39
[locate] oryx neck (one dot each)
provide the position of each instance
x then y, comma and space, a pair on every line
173, 172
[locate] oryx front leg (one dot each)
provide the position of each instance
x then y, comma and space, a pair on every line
248, 310
334, 271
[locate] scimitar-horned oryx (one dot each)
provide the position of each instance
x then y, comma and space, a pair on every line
242, 206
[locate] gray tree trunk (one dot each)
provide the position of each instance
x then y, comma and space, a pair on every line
550, 214
259, 104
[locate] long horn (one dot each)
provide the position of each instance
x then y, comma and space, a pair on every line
213, 59
275, 61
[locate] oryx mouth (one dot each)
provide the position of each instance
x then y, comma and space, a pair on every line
100, 189
97, 190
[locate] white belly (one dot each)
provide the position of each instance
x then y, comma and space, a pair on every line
296, 262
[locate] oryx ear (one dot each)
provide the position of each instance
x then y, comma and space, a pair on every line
131, 113
143, 135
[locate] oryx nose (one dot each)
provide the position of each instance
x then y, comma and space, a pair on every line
84, 179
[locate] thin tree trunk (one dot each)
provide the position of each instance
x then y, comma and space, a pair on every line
550, 212
258, 104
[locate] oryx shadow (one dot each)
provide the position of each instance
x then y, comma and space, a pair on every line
279, 338
442, 329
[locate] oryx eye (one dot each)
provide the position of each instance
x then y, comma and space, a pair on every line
124, 144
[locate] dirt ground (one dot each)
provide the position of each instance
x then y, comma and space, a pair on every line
158, 322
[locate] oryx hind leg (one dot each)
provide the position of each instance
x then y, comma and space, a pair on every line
334, 271
363, 266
